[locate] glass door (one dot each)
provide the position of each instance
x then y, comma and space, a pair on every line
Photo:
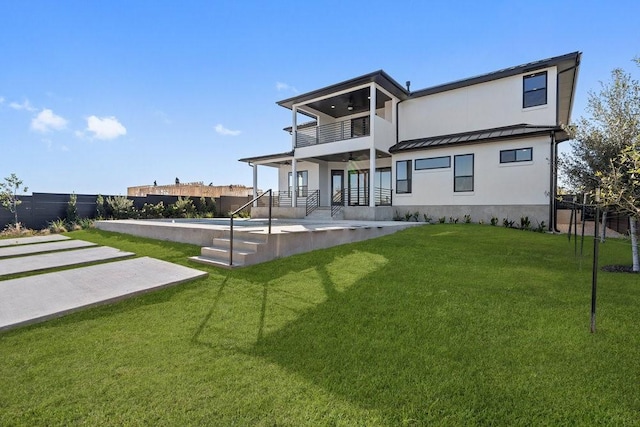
337, 187
359, 187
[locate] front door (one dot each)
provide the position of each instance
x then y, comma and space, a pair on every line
337, 187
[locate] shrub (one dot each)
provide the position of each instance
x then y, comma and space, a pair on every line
507, 223
467, 219
427, 218
182, 208
540, 228
119, 207
57, 226
72, 208
396, 216
101, 212
85, 223
415, 216
407, 216
525, 224
442, 220
151, 211
453, 220
494, 221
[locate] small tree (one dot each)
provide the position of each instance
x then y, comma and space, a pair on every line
621, 188
613, 124
9, 195
72, 209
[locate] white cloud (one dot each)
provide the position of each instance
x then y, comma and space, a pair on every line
224, 131
1, 99
283, 86
105, 127
47, 121
26, 105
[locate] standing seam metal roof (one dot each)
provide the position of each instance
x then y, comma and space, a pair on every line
508, 132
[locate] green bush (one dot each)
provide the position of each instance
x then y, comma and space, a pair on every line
151, 211
57, 226
101, 212
182, 208
72, 209
120, 207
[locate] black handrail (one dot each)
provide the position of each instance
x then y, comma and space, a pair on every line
241, 208
312, 201
337, 202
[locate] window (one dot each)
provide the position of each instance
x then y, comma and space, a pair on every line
433, 163
535, 90
463, 173
303, 181
403, 176
517, 155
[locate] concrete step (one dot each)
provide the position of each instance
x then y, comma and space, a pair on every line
244, 249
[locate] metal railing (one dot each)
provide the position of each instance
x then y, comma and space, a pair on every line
337, 203
332, 132
232, 214
312, 201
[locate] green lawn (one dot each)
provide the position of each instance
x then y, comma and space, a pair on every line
435, 325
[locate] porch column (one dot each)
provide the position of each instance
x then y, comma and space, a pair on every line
294, 172
294, 182
372, 149
255, 184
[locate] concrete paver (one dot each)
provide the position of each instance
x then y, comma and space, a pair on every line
36, 298
15, 250
58, 259
32, 239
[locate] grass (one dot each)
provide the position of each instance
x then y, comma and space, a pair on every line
435, 325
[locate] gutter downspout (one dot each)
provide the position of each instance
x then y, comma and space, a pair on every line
553, 180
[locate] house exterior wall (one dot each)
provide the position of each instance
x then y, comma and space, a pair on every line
482, 106
499, 189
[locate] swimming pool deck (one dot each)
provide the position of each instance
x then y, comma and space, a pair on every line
252, 242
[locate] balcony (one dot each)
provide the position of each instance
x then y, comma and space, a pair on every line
332, 132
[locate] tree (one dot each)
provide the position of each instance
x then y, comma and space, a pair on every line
613, 125
9, 195
621, 188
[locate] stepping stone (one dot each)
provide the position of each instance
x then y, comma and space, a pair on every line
58, 259
32, 239
43, 247
37, 298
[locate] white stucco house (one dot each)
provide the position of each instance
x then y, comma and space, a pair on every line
485, 146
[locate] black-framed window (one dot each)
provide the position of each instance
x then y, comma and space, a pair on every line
534, 90
403, 176
516, 155
463, 173
433, 163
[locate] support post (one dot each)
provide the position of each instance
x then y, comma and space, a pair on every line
372, 149
255, 184
594, 274
294, 183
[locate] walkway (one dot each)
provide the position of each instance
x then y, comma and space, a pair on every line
39, 297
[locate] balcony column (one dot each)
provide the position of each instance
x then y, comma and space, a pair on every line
372, 149
294, 172
255, 184
294, 182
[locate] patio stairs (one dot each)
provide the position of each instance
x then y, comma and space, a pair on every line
320, 213
245, 249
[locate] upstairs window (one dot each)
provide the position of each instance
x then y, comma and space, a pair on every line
535, 90
403, 176
518, 155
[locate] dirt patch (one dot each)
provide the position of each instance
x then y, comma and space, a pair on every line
619, 269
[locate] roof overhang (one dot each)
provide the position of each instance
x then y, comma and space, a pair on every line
379, 77
273, 160
480, 136
563, 62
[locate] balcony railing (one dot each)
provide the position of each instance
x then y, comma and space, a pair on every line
332, 132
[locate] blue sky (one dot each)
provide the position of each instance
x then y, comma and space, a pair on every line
97, 96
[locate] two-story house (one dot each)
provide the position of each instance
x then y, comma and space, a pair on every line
485, 146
